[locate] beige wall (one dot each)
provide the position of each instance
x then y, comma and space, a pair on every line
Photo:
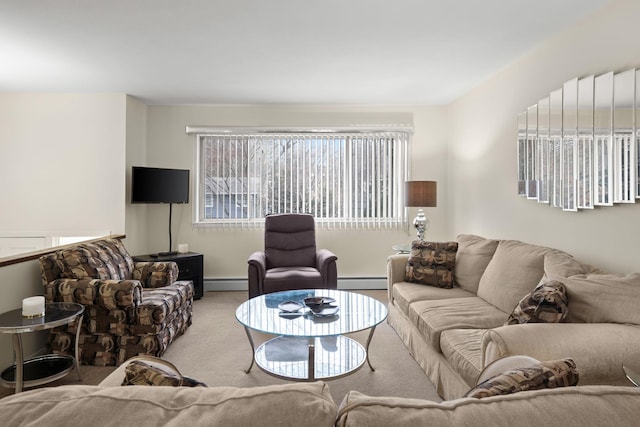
62, 161
360, 253
482, 146
57, 152
136, 152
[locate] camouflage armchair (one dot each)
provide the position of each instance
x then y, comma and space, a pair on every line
130, 309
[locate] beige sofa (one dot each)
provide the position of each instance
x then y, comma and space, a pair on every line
310, 404
454, 333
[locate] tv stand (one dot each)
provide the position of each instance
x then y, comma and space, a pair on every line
167, 253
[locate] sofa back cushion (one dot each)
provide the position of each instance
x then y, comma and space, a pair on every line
603, 298
515, 270
292, 404
594, 296
474, 254
103, 259
564, 406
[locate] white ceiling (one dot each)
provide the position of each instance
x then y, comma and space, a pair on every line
272, 51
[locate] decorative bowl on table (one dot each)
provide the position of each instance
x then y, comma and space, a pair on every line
290, 306
321, 306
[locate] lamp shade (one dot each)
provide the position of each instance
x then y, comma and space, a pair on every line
421, 194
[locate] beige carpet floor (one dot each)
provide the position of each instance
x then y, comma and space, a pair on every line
215, 350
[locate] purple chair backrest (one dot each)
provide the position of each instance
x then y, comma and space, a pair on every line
290, 240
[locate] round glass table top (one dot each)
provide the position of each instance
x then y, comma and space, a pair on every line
55, 314
356, 312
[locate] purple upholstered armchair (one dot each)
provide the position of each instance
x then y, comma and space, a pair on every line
290, 259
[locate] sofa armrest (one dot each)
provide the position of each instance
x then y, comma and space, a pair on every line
396, 271
599, 349
155, 274
108, 294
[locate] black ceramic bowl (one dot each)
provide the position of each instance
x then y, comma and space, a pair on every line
314, 303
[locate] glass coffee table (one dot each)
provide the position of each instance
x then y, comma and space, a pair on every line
309, 346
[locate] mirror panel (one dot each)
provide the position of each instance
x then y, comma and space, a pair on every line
522, 144
603, 128
542, 151
555, 145
624, 150
569, 143
584, 191
530, 165
636, 123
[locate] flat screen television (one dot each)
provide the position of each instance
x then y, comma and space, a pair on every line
157, 185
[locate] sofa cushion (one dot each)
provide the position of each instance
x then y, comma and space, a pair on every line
560, 265
103, 259
81, 263
547, 303
463, 351
433, 317
549, 374
432, 263
405, 293
515, 270
155, 274
474, 254
159, 303
276, 405
604, 298
284, 278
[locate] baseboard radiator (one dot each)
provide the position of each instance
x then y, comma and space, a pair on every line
347, 283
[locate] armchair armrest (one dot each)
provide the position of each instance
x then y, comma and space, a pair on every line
108, 294
396, 270
155, 274
599, 349
326, 262
257, 269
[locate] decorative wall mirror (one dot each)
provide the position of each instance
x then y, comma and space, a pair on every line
580, 147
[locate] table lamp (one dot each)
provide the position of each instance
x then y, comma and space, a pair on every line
421, 194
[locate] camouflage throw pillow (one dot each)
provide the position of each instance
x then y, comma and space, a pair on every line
140, 373
550, 374
432, 263
548, 303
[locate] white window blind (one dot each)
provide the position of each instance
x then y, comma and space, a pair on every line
345, 180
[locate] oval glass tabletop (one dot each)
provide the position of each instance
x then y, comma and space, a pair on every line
356, 312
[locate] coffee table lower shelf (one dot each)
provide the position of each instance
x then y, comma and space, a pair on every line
39, 370
288, 357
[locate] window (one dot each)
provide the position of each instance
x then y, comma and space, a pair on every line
344, 179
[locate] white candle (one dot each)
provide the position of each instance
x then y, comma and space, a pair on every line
33, 307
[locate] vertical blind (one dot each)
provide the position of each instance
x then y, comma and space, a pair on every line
346, 180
